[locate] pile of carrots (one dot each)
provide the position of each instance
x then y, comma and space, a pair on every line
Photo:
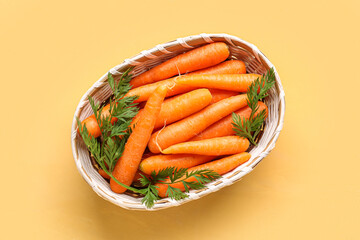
186, 119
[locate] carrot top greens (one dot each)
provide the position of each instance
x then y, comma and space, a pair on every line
114, 136
175, 175
250, 128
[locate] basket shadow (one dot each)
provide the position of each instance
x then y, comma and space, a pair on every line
114, 221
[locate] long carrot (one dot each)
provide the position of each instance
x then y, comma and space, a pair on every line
231, 82
128, 164
199, 58
180, 106
224, 127
220, 166
229, 67
218, 95
211, 147
158, 162
194, 124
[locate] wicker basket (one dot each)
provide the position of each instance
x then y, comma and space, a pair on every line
255, 62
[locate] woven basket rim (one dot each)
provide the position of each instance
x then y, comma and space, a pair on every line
150, 54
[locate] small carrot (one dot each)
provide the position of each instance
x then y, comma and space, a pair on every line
128, 164
104, 174
158, 162
231, 82
92, 125
220, 166
211, 147
181, 106
224, 127
230, 67
218, 95
198, 58
188, 127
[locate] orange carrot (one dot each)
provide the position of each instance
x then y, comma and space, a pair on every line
128, 164
211, 147
179, 107
158, 162
136, 178
218, 95
198, 58
188, 127
224, 127
92, 125
173, 89
231, 82
230, 67
220, 166
104, 174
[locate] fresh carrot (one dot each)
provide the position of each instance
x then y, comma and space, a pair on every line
230, 67
173, 89
198, 58
211, 147
224, 127
158, 162
92, 125
128, 164
188, 127
179, 107
231, 82
144, 92
104, 174
136, 178
218, 95
220, 166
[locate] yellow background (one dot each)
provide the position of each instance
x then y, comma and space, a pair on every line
51, 52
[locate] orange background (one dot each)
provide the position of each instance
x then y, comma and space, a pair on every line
51, 52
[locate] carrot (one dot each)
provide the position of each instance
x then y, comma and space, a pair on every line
231, 82
174, 88
92, 125
158, 162
104, 174
194, 124
224, 127
211, 147
220, 166
230, 67
218, 95
179, 107
198, 58
128, 164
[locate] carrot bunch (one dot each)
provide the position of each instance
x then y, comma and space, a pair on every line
186, 134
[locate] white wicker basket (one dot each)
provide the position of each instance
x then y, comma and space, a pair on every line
255, 62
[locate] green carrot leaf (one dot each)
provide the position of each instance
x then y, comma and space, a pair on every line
250, 128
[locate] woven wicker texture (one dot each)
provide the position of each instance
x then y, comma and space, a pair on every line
255, 62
